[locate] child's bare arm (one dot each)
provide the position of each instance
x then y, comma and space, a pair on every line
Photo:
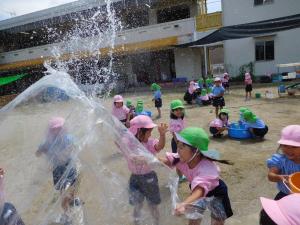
165, 161
162, 129
275, 176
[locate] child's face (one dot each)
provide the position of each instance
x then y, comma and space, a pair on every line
223, 117
178, 112
184, 151
291, 152
218, 83
119, 104
146, 136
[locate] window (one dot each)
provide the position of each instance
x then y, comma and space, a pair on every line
262, 2
173, 13
264, 50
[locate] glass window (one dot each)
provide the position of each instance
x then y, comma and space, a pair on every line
264, 50
262, 2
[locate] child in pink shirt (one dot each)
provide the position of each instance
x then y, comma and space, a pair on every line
143, 181
8, 212
220, 124
197, 163
120, 111
177, 124
248, 87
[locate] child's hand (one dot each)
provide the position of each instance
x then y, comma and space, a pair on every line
162, 129
284, 178
180, 209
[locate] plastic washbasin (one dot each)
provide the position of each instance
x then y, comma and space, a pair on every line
238, 131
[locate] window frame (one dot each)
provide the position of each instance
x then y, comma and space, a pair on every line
265, 52
264, 2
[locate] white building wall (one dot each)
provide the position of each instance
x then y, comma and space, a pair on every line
242, 51
244, 11
188, 62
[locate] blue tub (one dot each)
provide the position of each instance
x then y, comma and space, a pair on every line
238, 131
145, 113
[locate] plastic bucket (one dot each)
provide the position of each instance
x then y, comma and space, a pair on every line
294, 182
238, 131
257, 95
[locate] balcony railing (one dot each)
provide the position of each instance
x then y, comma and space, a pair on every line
209, 21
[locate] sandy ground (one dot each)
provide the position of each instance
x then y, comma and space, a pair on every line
246, 180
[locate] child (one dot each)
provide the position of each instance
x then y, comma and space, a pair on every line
157, 98
248, 87
217, 95
284, 164
177, 124
131, 108
143, 181
256, 126
190, 93
219, 125
120, 111
285, 211
58, 148
196, 162
8, 212
225, 81
205, 100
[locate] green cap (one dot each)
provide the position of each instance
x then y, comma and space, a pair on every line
209, 81
203, 92
155, 87
209, 90
243, 109
197, 138
128, 103
200, 81
176, 104
249, 116
226, 111
139, 106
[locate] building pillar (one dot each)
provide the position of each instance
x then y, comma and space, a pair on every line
152, 16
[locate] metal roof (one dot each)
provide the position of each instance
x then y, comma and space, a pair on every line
49, 13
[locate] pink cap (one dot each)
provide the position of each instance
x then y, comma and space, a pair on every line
141, 121
284, 211
225, 74
118, 98
290, 135
247, 75
218, 79
56, 122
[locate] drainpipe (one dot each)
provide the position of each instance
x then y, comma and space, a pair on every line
205, 59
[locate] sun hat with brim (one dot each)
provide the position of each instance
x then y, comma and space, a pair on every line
197, 138
176, 104
56, 122
225, 111
141, 121
243, 109
128, 103
249, 116
217, 79
285, 211
118, 98
290, 135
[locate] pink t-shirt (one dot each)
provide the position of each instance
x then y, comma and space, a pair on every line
120, 113
176, 125
205, 174
136, 162
204, 98
217, 123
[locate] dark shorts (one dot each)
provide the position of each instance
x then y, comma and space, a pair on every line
248, 88
208, 102
9, 215
158, 103
220, 207
264, 219
219, 101
63, 176
188, 97
260, 132
226, 84
174, 145
144, 186
213, 130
